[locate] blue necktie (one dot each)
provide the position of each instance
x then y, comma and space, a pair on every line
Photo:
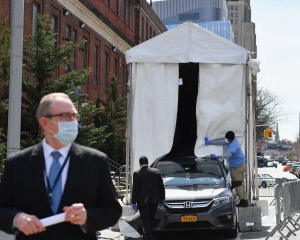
57, 191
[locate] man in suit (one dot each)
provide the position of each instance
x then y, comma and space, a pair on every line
147, 192
57, 176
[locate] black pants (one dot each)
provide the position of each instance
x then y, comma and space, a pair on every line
147, 214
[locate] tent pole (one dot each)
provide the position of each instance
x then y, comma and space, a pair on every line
128, 134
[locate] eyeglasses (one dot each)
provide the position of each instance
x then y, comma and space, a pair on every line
66, 116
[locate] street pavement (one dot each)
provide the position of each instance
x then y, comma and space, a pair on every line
268, 222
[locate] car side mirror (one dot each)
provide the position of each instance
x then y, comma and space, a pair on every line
236, 183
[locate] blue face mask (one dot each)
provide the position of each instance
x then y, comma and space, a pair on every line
226, 140
67, 132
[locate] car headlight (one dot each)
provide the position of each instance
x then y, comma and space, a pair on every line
221, 201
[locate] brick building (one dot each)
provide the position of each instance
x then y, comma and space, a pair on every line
110, 27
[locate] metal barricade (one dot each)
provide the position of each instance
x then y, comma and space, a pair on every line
287, 206
266, 187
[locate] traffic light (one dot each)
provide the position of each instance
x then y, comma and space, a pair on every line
270, 133
266, 133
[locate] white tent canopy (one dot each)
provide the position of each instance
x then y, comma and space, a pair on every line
187, 43
221, 100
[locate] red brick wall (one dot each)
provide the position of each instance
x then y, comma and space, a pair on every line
131, 33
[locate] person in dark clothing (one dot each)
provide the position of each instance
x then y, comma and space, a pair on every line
147, 192
57, 176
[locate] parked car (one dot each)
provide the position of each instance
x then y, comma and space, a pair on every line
260, 162
289, 163
284, 162
266, 180
297, 172
294, 166
270, 164
199, 195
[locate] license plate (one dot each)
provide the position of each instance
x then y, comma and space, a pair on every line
189, 218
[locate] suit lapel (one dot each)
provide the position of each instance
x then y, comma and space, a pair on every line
37, 170
75, 173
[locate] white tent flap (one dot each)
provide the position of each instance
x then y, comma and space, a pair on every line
220, 105
155, 99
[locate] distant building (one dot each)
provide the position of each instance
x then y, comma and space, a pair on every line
212, 14
239, 14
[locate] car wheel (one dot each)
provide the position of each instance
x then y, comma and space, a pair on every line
264, 184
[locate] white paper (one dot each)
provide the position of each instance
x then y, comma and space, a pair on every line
53, 219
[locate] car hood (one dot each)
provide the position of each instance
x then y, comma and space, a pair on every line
193, 192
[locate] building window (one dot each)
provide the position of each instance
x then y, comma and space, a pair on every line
85, 51
106, 70
124, 11
236, 14
235, 21
54, 29
231, 8
146, 31
74, 40
236, 7
67, 38
96, 61
150, 32
128, 14
231, 14
143, 29
231, 21
235, 32
123, 80
235, 39
108, 2
116, 67
36, 11
117, 7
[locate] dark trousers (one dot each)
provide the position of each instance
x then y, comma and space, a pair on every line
147, 214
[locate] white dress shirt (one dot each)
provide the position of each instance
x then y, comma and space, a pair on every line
49, 160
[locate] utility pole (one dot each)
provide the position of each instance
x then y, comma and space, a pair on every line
15, 83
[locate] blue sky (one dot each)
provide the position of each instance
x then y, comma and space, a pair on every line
278, 42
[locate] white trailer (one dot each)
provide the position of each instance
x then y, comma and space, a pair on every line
216, 75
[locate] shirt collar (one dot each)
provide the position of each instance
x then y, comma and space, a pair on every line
48, 149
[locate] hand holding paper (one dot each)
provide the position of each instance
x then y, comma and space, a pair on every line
49, 221
76, 214
28, 224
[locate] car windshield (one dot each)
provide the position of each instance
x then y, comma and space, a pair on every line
195, 173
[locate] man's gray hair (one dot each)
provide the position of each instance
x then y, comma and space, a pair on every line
45, 104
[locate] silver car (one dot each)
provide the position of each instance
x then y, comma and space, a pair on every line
266, 180
198, 196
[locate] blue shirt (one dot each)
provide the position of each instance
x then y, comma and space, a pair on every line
238, 157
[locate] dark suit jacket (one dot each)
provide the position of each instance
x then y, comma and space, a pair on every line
22, 189
147, 185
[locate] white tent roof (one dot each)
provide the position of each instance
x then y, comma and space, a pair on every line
188, 43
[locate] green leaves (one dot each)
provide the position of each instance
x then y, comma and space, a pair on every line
42, 62
113, 115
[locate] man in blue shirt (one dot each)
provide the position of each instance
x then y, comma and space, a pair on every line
236, 159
